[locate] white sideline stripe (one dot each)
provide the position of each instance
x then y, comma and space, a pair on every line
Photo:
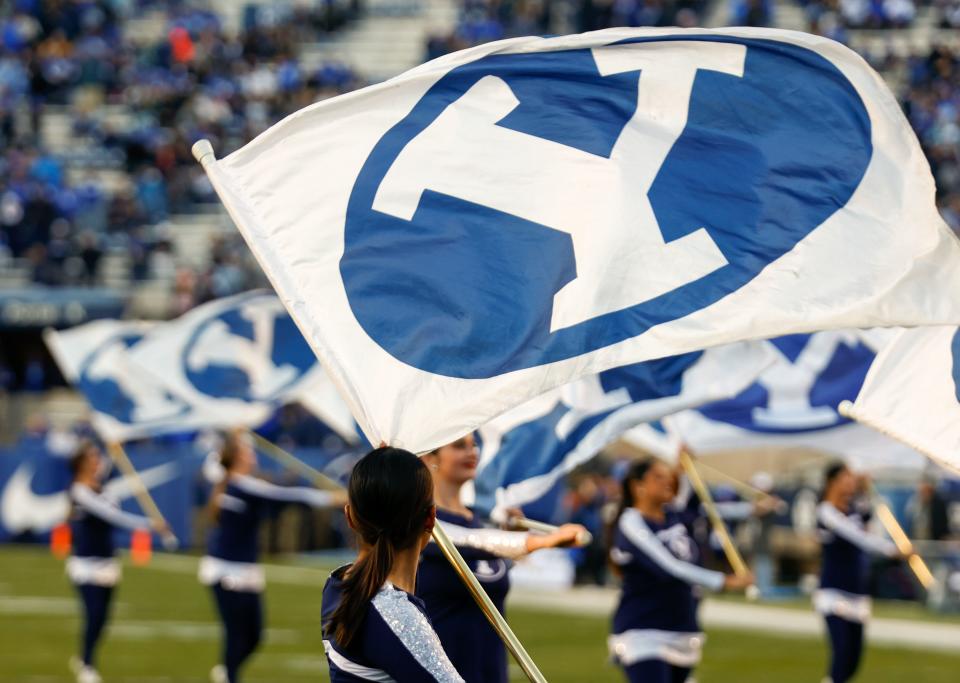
35, 604
276, 573
189, 630
908, 634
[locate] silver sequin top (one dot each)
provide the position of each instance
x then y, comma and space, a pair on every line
507, 544
412, 628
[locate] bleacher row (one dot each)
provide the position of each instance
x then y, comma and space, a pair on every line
100, 101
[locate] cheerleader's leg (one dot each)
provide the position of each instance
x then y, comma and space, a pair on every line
252, 608
96, 607
234, 629
649, 671
679, 674
846, 646
855, 644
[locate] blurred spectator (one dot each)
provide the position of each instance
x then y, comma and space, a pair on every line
193, 80
927, 512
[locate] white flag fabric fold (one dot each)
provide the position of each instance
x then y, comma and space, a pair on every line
525, 451
795, 403
126, 401
506, 219
912, 393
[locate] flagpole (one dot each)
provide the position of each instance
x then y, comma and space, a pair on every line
449, 551
490, 611
885, 514
719, 527
742, 487
147, 504
319, 479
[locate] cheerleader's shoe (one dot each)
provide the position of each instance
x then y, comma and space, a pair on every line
75, 665
218, 674
88, 674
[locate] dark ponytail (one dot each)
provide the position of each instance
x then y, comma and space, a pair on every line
636, 472
391, 498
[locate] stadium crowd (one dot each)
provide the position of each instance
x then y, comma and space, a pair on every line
194, 79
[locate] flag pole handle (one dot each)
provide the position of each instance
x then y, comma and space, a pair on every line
885, 514
319, 479
719, 527
584, 538
147, 504
449, 551
489, 610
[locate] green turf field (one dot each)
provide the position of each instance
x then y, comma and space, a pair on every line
164, 631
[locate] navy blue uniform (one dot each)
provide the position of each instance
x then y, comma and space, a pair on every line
468, 639
656, 635
92, 568
842, 597
396, 641
230, 567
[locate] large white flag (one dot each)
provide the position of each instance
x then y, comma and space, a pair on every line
912, 393
506, 219
795, 403
126, 401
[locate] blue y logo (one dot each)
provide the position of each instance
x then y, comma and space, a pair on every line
801, 392
253, 352
600, 192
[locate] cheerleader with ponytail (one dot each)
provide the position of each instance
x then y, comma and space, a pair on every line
239, 502
92, 567
468, 638
656, 635
374, 628
843, 598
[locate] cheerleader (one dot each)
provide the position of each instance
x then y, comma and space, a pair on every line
92, 567
374, 628
656, 635
842, 597
239, 501
468, 638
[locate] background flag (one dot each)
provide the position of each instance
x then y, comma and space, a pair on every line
126, 401
795, 403
524, 452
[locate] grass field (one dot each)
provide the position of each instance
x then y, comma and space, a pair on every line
164, 630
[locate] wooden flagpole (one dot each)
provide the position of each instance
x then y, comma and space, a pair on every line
720, 528
147, 504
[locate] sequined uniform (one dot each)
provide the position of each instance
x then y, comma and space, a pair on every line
469, 640
656, 635
92, 567
842, 596
230, 567
395, 641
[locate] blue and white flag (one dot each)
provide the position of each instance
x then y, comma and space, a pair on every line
238, 359
126, 401
525, 451
912, 393
795, 403
503, 220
